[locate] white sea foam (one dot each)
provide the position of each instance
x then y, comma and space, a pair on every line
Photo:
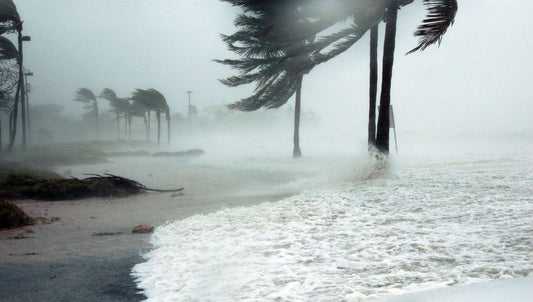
432, 224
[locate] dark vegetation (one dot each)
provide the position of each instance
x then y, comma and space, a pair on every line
21, 182
12, 216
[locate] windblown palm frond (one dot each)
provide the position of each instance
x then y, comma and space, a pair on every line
143, 98
84, 95
108, 94
9, 17
151, 99
137, 108
441, 15
118, 105
280, 41
8, 51
159, 101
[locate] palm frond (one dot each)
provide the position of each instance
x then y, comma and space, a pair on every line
9, 17
84, 95
440, 16
8, 51
108, 94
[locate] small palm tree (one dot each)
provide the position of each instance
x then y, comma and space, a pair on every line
153, 100
119, 106
86, 96
137, 109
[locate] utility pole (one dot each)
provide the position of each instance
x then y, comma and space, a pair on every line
26, 75
23, 91
189, 109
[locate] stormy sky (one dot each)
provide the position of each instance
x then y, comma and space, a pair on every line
478, 81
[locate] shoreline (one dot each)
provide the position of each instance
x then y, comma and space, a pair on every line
62, 261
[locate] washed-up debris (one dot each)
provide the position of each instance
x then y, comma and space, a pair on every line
11, 216
143, 228
45, 220
27, 186
106, 233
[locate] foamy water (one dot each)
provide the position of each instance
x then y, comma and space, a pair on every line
424, 225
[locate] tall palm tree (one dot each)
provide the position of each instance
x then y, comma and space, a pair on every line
382, 138
279, 37
10, 22
274, 81
8, 51
86, 96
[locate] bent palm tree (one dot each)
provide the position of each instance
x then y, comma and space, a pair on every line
10, 21
153, 100
274, 86
137, 109
86, 96
119, 106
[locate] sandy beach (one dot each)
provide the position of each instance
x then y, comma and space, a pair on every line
62, 261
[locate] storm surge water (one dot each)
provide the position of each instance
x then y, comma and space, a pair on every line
424, 224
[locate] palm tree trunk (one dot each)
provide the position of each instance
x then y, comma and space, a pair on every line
118, 126
382, 139
18, 97
0, 135
129, 127
158, 115
146, 128
373, 88
23, 113
13, 119
125, 125
168, 125
149, 124
296, 152
96, 117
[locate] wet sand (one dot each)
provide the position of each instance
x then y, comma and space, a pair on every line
62, 261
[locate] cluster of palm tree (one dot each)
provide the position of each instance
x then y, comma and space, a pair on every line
279, 41
141, 103
10, 22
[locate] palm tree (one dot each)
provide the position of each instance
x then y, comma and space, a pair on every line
154, 100
8, 51
86, 96
137, 109
119, 106
10, 22
278, 36
382, 138
275, 85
